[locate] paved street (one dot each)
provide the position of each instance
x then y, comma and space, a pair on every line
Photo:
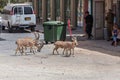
93, 60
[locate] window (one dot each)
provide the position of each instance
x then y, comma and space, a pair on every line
15, 10
18, 10
28, 10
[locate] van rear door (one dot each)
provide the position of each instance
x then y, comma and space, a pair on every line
29, 16
18, 12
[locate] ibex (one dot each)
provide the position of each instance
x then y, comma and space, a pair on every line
66, 45
24, 43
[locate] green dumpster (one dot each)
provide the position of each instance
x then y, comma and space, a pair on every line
54, 30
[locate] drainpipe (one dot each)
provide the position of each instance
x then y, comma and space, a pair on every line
85, 2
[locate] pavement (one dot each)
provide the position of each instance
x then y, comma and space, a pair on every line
93, 60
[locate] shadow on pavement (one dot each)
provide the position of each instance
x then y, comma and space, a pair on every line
1, 39
100, 46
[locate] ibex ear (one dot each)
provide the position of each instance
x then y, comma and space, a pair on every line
74, 37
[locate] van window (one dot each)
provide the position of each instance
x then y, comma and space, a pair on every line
28, 10
18, 10
5, 11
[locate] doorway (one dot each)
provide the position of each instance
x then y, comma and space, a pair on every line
99, 19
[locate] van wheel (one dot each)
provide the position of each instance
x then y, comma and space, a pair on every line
32, 28
10, 29
3, 27
46, 42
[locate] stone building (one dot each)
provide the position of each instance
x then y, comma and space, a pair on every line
64, 9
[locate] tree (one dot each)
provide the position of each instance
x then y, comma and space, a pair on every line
4, 2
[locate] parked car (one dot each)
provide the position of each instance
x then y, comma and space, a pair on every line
16, 16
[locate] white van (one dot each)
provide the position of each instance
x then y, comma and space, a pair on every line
16, 16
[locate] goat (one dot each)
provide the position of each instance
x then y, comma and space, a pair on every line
23, 43
66, 45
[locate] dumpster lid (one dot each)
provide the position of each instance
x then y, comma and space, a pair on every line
53, 23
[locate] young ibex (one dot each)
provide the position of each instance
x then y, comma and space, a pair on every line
24, 43
66, 45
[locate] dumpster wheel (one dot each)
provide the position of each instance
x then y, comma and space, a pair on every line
46, 42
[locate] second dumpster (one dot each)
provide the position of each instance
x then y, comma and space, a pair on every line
54, 30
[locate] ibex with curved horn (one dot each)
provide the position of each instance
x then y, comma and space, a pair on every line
24, 43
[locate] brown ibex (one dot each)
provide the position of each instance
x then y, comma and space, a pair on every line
24, 43
66, 45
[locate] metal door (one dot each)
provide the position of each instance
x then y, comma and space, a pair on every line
18, 12
99, 19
